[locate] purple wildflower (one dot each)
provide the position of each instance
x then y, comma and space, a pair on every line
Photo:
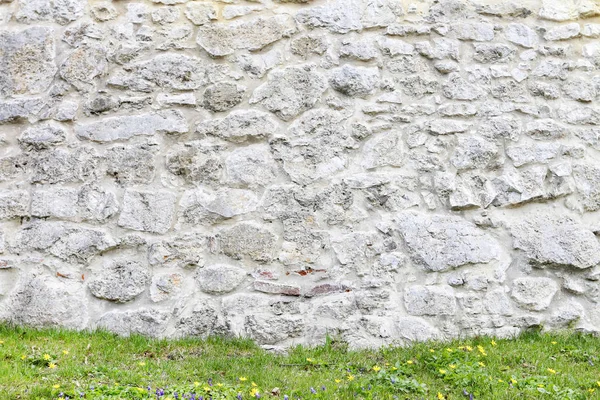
239, 396
313, 391
257, 396
176, 395
209, 381
61, 395
286, 397
323, 388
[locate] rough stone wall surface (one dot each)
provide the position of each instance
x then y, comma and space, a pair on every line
381, 171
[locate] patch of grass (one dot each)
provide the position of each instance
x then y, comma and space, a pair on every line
42, 364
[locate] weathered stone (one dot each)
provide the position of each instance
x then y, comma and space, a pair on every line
556, 240
83, 66
439, 48
358, 248
130, 165
60, 11
147, 211
119, 281
458, 242
532, 153
178, 71
477, 31
306, 45
37, 293
276, 288
248, 240
201, 322
474, 152
219, 278
165, 286
521, 34
184, 251
54, 202
240, 126
383, 150
534, 293
457, 88
580, 90
219, 39
251, 166
416, 329
429, 300
354, 81
326, 132
14, 204
147, 322
568, 9
200, 204
222, 96
587, 181
27, 60
96, 204
266, 329
290, 91
545, 129
493, 52
563, 32
394, 47
60, 165
195, 162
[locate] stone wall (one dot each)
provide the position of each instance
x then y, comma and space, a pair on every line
381, 171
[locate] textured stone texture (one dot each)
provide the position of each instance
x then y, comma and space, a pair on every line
386, 171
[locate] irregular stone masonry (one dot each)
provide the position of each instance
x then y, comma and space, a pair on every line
377, 171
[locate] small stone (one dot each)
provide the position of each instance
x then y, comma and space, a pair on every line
130, 165
220, 39
290, 91
59, 165
532, 153
96, 204
165, 15
103, 11
126, 127
447, 126
306, 45
219, 278
119, 281
394, 47
325, 289
27, 61
137, 13
416, 329
383, 150
457, 88
201, 322
248, 239
521, 34
429, 300
580, 90
276, 288
534, 293
568, 9
147, 211
545, 129
439, 48
222, 96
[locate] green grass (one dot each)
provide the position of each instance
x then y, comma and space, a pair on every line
534, 366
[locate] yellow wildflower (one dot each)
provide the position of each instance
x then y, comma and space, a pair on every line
394, 368
243, 378
23, 357
409, 362
440, 396
553, 342
598, 383
254, 392
376, 368
551, 371
309, 360
387, 364
449, 350
469, 348
219, 384
431, 350
481, 364
591, 390
206, 388
541, 385
452, 366
141, 389
66, 352
494, 343
254, 384
481, 350
350, 377
196, 383
442, 371
47, 357
338, 380
1, 341
56, 386
141, 363
513, 381
500, 380
51, 365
